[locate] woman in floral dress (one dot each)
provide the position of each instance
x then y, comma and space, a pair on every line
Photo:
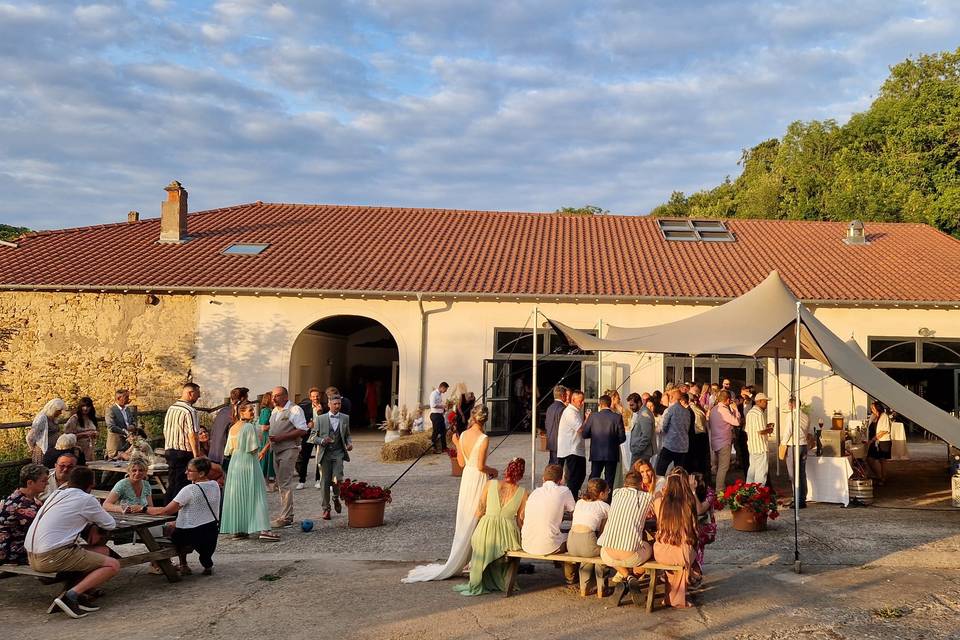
18, 512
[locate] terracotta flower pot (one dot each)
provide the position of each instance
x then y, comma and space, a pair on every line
455, 469
747, 520
365, 513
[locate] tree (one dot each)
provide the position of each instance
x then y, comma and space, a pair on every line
585, 210
9, 233
897, 161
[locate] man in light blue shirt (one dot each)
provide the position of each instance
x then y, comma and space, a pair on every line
675, 431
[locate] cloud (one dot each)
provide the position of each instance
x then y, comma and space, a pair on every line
526, 105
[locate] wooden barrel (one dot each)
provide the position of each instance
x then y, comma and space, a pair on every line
861, 490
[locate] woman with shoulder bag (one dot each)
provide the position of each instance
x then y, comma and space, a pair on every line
197, 507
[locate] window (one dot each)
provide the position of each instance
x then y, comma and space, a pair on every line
245, 249
685, 229
893, 350
941, 352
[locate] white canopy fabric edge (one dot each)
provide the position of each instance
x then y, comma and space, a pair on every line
761, 323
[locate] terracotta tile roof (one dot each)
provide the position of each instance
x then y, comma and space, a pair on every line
379, 249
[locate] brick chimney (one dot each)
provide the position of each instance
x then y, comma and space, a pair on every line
173, 214
133, 216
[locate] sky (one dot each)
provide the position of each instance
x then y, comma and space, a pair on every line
523, 105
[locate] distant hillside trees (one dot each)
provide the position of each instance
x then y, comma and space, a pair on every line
9, 233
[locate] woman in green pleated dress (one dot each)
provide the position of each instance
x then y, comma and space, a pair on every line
245, 494
498, 531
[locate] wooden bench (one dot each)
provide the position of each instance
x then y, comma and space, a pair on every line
652, 569
10, 570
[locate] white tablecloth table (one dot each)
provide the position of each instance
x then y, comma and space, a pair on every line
827, 479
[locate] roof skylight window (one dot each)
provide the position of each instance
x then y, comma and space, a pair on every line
245, 249
685, 229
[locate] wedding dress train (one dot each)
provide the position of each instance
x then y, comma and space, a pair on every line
472, 483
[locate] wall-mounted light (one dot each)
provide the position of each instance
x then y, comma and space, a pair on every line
152, 300
926, 333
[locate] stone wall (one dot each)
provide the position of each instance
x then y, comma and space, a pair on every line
71, 345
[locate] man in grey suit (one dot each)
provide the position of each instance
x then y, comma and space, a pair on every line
606, 433
120, 419
333, 438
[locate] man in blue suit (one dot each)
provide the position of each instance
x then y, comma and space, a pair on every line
606, 433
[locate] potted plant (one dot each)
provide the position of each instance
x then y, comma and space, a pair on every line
455, 469
365, 503
751, 504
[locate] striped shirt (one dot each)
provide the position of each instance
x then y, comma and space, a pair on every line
628, 514
756, 422
181, 418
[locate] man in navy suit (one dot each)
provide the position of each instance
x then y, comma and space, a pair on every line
552, 421
606, 433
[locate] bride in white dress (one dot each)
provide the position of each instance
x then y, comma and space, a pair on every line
472, 454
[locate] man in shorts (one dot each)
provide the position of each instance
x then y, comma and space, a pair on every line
52, 541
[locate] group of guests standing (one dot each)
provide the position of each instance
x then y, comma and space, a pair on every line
685, 426
260, 441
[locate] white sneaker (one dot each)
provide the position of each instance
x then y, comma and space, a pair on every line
318, 485
299, 486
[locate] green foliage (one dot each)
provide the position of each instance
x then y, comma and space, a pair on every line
585, 210
897, 161
9, 233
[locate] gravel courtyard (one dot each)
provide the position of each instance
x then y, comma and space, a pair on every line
892, 570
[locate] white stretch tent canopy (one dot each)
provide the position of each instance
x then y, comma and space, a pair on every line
761, 323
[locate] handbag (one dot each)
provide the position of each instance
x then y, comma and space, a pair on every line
205, 499
782, 452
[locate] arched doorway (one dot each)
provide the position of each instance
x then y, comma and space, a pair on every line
356, 354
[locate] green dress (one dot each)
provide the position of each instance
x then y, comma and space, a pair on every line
496, 533
266, 465
245, 493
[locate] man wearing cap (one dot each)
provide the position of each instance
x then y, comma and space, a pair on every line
757, 429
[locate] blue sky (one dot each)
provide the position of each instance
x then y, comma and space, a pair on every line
509, 105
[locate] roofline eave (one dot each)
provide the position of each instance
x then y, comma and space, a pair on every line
463, 295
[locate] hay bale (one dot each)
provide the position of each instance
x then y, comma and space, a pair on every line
405, 447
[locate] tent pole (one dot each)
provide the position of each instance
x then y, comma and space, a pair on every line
693, 369
776, 374
599, 362
533, 405
796, 449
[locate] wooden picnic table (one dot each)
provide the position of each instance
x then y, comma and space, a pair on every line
140, 524
120, 466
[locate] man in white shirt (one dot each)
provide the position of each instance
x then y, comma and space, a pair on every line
804, 440
52, 547
542, 516
287, 426
571, 451
437, 407
757, 429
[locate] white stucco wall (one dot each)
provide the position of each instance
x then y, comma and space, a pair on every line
248, 340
